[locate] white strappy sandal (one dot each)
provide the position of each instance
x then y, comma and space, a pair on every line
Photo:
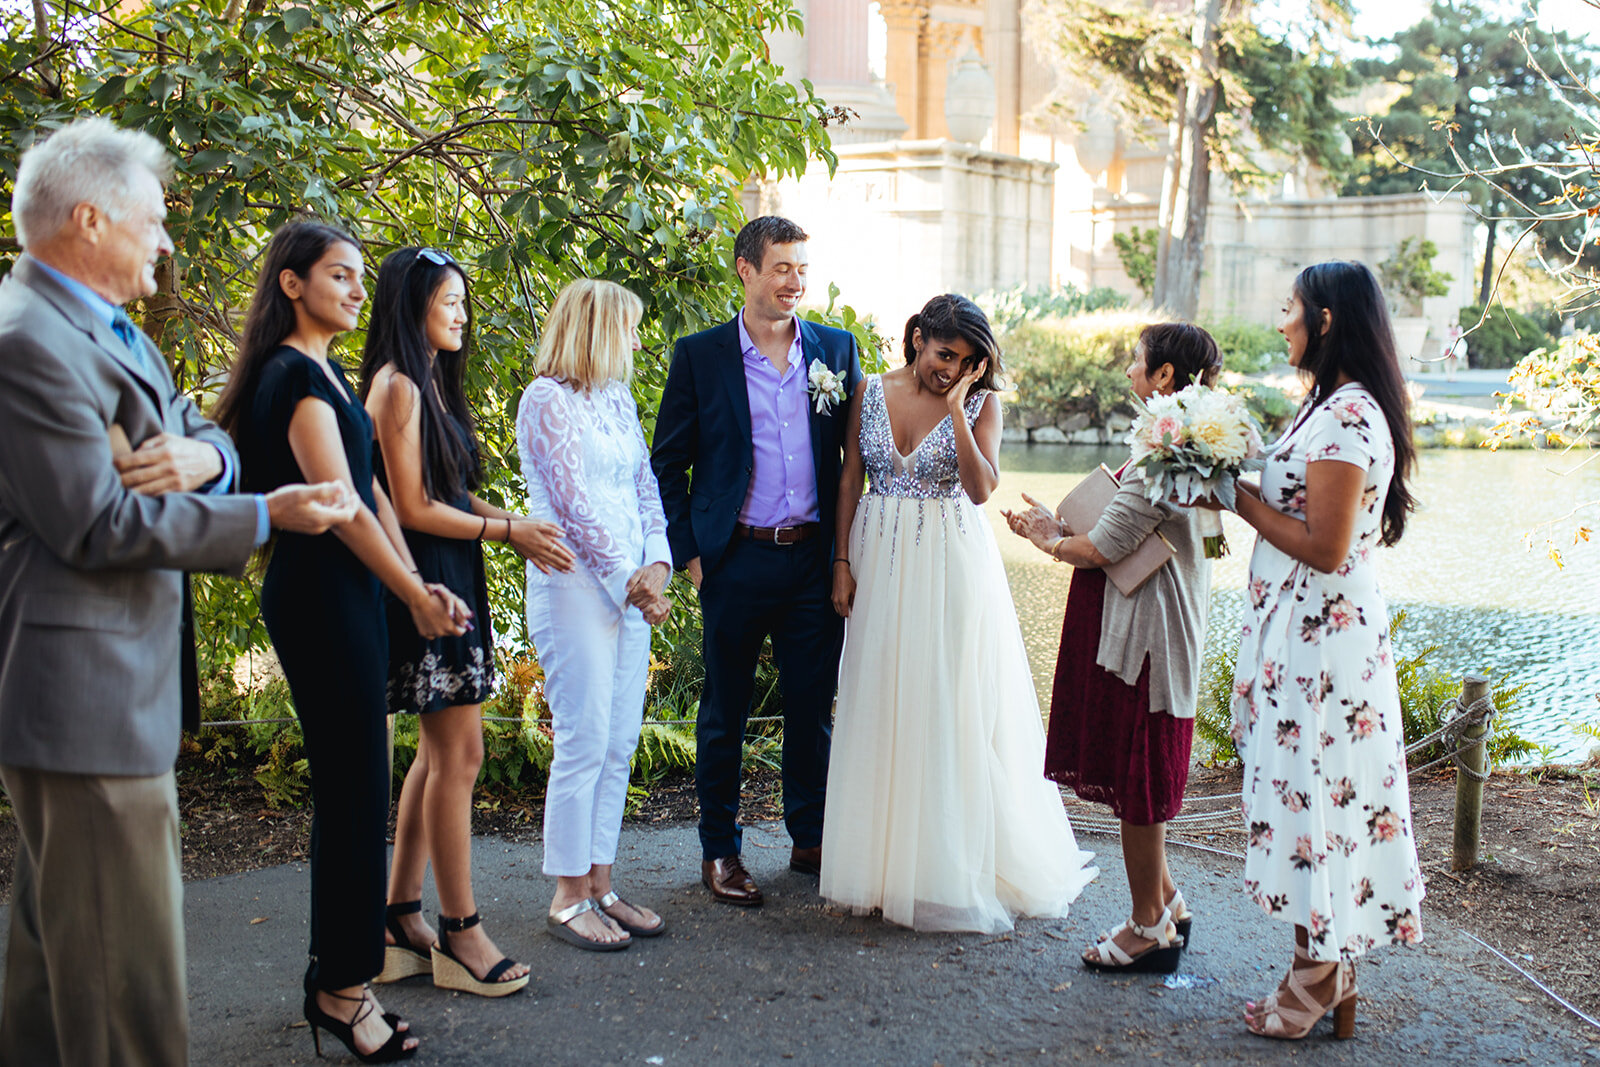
1160, 958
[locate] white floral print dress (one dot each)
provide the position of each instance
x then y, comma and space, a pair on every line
1316, 713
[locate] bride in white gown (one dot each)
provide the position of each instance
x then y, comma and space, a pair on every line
938, 811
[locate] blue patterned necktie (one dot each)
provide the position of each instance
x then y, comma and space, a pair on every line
124, 328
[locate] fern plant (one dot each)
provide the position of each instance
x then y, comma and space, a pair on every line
1424, 694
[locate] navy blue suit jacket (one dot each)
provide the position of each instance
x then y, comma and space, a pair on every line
703, 455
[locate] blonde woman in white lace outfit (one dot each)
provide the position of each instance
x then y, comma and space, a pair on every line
588, 470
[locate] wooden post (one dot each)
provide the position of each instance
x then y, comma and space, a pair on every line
1469, 791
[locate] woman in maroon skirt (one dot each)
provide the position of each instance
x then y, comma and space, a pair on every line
1122, 713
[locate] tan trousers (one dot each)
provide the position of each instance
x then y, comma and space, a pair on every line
95, 959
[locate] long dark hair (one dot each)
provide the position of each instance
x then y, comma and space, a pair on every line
397, 334
296, 246
949, 316
1359, 343
1192, 352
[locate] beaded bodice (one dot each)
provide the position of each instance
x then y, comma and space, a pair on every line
930, 472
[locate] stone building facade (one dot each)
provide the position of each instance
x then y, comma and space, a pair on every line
952, 177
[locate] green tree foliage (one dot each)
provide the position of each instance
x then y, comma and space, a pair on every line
1136, 251
1473, 95
1503, 337
1408, 274
1073, 366
1011, 307
1247, 347
1222, 85
537, 140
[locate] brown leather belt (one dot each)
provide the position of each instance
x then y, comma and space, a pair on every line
779, 535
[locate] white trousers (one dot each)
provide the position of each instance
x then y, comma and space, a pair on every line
596, 662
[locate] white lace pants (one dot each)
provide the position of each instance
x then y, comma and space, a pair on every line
596, 663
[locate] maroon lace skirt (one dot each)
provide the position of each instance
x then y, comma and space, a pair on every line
1103, 739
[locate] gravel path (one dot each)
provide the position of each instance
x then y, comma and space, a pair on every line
793, 982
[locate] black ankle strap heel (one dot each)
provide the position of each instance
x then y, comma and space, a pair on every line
450, 973
405, 957
389, 1052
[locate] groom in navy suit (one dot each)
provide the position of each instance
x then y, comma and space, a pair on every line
749, 473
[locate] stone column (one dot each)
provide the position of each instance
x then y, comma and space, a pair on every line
836, 59
1002, 45
836, 37
906, 20
942, 42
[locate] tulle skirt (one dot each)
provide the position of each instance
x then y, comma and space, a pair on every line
937, 809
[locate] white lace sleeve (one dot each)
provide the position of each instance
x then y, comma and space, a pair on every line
651, 515
552, 439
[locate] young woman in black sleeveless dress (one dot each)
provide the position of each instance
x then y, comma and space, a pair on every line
296, 419
411, 380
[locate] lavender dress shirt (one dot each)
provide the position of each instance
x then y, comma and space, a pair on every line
783, 479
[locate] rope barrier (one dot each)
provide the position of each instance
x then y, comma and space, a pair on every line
486, 718
1458, 719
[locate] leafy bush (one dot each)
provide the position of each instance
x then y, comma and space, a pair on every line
560, 141
1551, 317
1007, 308
1504, 338
1247, 347
1409, 275
1268, 405
874, 345
1136, 251
1423, 692
1064, 367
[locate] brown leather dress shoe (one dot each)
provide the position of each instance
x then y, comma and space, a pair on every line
729, 882
806, 860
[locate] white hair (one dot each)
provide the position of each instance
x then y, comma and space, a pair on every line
90, 160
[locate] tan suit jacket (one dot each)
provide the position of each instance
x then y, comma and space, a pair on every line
91, 581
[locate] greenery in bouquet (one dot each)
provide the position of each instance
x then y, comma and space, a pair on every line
1193, 444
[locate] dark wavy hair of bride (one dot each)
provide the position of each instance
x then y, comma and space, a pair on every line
397, 333
1359, 342
296, 246
951, 316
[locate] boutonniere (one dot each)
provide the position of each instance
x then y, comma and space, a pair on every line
826, 387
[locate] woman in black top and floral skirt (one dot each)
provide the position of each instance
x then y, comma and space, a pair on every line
411, 379
296, 419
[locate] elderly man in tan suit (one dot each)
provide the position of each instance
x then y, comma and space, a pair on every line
92, 553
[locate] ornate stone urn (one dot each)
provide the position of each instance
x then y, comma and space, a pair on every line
969, 97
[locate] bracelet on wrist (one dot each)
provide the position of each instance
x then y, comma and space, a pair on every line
1055, 545
508, 530
484, 528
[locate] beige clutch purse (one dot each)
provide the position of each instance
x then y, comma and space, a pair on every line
1083, 507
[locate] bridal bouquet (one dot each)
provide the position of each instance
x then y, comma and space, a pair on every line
1193, 444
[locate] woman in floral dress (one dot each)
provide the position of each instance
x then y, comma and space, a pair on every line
1316, 711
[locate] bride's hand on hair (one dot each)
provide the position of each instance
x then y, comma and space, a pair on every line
957, 396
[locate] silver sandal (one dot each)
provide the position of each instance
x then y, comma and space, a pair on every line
556, 926
638, 931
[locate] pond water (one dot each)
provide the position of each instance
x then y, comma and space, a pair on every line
1462, 574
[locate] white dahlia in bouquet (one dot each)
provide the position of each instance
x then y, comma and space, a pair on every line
1193, 444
